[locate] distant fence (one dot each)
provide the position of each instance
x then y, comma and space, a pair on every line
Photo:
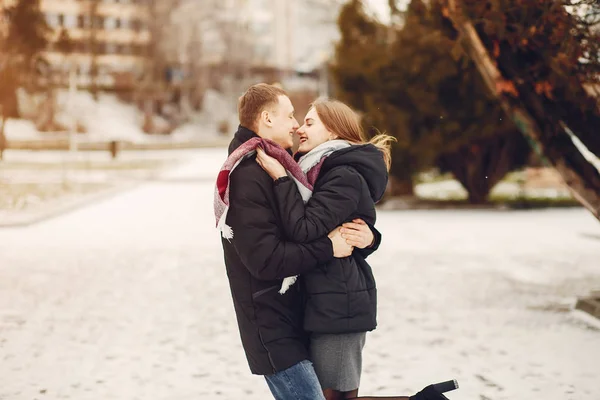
111, 146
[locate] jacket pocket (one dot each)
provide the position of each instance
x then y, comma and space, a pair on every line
261, 292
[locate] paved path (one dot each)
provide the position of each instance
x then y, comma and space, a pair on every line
127, 299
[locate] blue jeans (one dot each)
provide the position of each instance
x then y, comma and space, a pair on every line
298, 382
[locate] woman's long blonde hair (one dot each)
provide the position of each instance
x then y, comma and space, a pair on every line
345, 123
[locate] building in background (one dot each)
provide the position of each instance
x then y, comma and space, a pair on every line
112, 49
293, 35
285, 35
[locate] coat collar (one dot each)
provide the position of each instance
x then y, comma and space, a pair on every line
244, 134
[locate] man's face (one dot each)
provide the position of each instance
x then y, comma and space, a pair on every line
283, 123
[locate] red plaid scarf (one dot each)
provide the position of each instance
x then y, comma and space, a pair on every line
221, 201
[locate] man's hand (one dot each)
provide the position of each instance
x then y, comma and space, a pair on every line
341, 248
358, 234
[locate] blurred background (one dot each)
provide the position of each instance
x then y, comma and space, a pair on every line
113, 76
115, 116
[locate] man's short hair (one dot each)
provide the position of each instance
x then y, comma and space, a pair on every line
254, 101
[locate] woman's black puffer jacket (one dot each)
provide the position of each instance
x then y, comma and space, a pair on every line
341, 296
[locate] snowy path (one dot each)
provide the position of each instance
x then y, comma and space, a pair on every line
128, 299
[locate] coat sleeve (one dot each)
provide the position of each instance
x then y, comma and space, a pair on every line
336, 200
367, 251
258, 239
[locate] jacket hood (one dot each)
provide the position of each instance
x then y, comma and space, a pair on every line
367, 160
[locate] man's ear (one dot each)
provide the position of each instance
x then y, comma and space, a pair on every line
266, 118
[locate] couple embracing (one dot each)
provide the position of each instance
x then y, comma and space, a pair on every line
296, 235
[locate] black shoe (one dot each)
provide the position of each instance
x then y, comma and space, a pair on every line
435, 392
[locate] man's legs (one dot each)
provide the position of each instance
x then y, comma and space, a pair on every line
299, 382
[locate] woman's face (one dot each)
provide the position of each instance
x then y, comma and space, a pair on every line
313, 132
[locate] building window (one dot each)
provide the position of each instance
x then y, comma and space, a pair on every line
109, 23
137, 25
83, 69
52, 20
61, 20
79, 47
70, 21
98, 21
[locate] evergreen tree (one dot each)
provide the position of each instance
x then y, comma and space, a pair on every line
411, 82
540, 59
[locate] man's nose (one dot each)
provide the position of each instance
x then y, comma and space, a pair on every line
296, 124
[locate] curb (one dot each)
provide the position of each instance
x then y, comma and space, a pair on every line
53, 211
399, 204
121, 146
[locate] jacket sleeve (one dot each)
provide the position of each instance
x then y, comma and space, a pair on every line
335, 201
258, 239
367, 251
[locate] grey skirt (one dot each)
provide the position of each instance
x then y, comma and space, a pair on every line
337, 359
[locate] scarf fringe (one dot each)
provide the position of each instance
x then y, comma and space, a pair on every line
287, 282
226, 230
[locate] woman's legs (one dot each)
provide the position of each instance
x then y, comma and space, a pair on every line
331, 394
375, 398
384, 397
431, 392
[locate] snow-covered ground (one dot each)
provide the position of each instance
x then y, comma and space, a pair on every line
109, 118
128, 299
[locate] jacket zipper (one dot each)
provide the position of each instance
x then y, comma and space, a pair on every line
261, 292
254, 296
267, 350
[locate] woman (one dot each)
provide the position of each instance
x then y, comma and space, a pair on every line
349, 176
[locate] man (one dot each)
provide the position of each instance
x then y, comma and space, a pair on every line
258, 257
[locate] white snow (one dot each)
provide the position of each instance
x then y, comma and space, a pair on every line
109, 118
128, 299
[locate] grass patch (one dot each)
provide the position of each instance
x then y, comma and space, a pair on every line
494, 202
534, 202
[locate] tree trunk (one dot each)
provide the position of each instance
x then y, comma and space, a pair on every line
3, 119
480, 165
400, 182
545, 133
398, 187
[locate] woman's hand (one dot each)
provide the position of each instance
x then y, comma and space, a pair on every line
270, 165
341, 248
358, 234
